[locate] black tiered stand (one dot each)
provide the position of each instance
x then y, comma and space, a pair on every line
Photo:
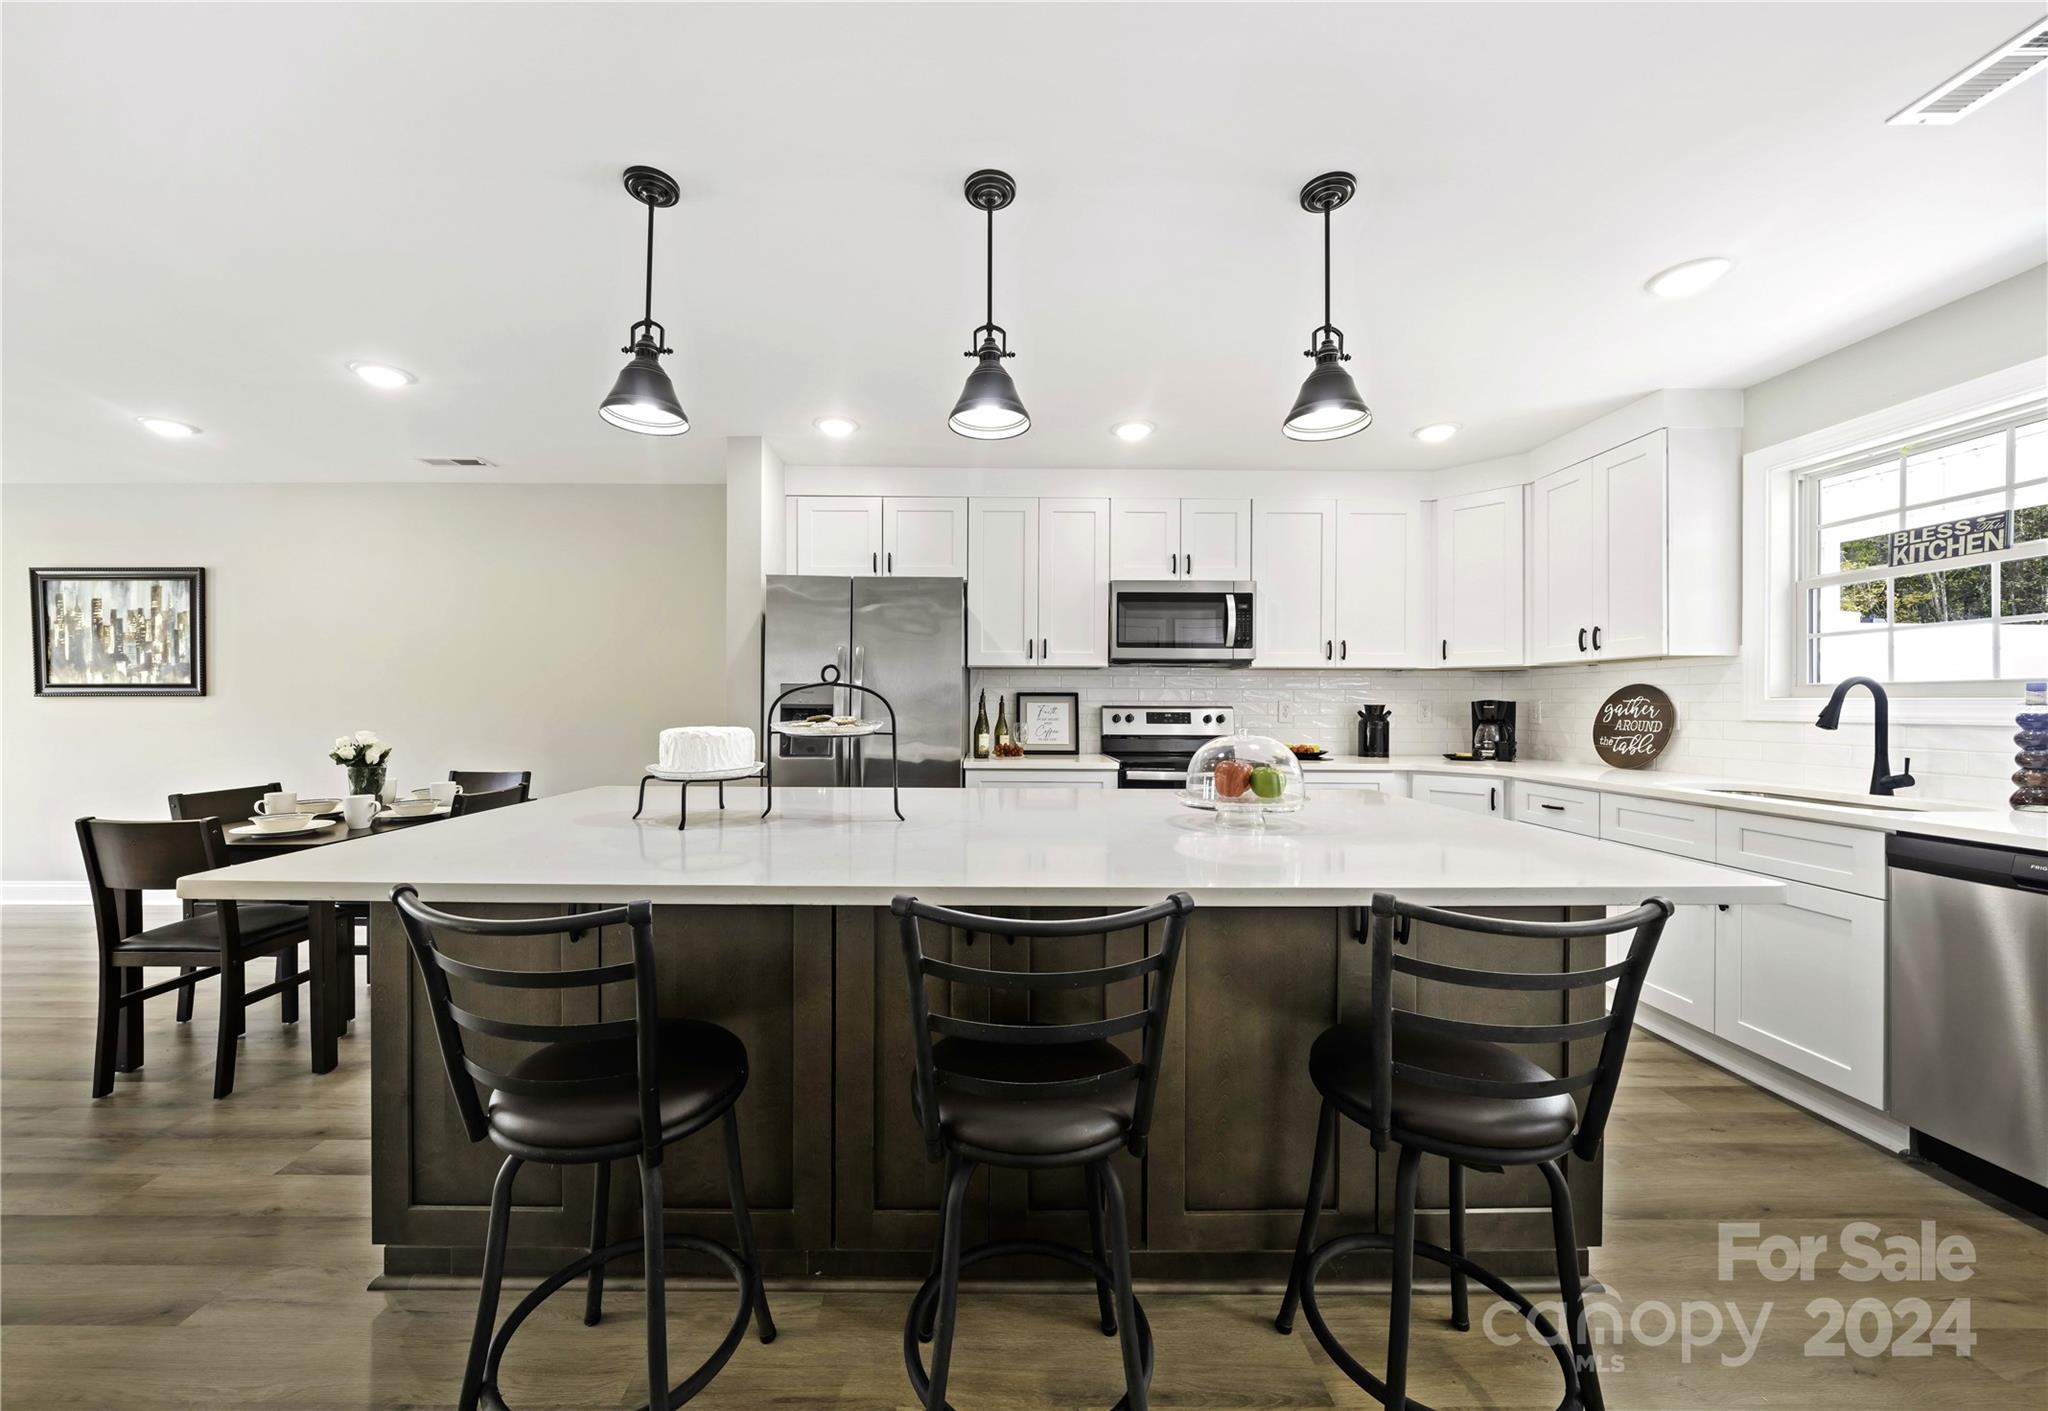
829, 677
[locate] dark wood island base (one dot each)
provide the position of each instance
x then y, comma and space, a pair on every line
836, 1167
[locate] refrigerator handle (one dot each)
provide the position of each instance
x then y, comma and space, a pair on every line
860, 656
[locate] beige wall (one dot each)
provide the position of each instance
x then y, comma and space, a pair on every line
1984, 332
555, 628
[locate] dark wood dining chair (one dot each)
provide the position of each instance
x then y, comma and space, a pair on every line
232, 805
122, 861
483, 802
489, 781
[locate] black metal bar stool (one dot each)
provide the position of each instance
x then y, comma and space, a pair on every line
1033, 1096
590, 1093
1452, 1088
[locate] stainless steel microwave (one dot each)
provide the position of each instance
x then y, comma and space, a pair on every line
1177, 621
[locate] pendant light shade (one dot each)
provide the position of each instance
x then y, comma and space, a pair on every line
1329, 406
989, 408
643, 399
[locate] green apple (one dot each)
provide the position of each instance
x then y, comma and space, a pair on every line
1268, 782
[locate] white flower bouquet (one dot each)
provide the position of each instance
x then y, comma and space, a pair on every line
359, 749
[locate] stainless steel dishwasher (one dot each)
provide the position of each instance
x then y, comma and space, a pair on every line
1968, 940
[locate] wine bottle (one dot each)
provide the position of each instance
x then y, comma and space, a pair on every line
981, 738
1002, 727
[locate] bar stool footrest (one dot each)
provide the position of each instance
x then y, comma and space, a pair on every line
928, 1291
488, 1398
1560, 1346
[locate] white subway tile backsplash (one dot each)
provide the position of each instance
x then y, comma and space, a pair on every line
1431, 709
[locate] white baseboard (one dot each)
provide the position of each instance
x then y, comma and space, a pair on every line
1845, 1112
66, 894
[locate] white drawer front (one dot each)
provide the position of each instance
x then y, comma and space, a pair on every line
1379, 783
1683, 828
1472, 795
1846, 859
1039, 779
1549, 806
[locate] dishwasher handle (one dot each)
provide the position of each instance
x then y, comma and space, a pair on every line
1969, 862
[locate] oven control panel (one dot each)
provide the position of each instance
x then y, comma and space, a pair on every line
1202, 721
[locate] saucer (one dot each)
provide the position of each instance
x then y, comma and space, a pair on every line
306, 823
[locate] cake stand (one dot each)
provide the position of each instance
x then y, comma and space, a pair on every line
865, 729
687, 777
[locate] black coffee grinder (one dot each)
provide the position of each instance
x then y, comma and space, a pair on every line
1493, 730
1374, 731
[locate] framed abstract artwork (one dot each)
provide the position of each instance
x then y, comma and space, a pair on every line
119, 631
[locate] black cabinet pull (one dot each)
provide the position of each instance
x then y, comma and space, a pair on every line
1582, 639
1493, 799
1172, 564
1447, 649
1030, 647
1189, 560
1344, 654
1045, 649
892, 561
1553, 807
1327, 651
1596, 639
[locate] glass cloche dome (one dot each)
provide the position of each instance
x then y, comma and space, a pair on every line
1244, 777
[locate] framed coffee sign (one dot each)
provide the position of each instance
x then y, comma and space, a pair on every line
1633, 726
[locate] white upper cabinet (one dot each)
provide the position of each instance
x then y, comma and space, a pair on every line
1636, 552
1039, 593
1382, 583
1479, 579
1073, 583
1002, 592
1294, 561
1210, 539
1144, 539
835, 534
924, 538
1216, 539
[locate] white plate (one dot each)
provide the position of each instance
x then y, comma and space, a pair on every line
703, 776
249, 832
438, 811
798, 727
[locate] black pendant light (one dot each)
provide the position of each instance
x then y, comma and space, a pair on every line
1329, 405
989, 409
643, 399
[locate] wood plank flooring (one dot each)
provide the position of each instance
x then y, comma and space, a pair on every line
161, 1250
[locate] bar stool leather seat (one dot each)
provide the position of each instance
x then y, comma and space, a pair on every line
703, 1067
1340, 1065
260, 921
1033, 1126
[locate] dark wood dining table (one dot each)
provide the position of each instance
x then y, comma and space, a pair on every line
333, 998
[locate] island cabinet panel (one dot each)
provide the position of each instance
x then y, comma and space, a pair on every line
1229, 1161
755, 970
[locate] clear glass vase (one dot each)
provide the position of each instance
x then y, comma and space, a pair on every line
366, 779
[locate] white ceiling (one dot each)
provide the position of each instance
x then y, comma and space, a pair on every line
210, 209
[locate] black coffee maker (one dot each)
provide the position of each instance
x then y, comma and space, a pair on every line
1374, 731
1493, 730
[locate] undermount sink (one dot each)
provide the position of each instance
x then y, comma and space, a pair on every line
1831, 799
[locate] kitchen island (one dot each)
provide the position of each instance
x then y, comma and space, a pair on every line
778, 929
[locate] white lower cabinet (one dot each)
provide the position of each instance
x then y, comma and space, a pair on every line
1472, 795
1682, 979
1802, 983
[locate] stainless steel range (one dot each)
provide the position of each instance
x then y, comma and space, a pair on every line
1153, 744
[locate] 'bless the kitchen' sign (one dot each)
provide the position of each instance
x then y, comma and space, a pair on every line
1951, 539
1633, 726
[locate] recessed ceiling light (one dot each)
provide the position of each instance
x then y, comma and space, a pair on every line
164, 426
382, 375
837, 425
1439, 431
1132, 430
1689, 278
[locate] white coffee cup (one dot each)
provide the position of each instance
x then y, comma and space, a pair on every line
442, 792
358, 809
281, 802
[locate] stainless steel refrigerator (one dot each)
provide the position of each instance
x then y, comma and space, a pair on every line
904, 637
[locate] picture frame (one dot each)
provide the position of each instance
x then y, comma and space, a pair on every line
118, 631
1049, 722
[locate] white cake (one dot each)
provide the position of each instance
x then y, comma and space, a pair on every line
701, 749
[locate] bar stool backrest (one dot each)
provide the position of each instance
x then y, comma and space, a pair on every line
1155, 969
486, 800
488, 781
452, 1021
231, 804
1390, 927
125, 859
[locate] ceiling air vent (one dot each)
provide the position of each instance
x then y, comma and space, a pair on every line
1995, 73
467, 462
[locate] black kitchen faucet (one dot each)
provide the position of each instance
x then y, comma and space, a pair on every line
1882, 780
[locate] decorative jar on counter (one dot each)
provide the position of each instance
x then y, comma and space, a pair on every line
2032, 758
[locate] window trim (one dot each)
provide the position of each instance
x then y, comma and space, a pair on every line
1772, 680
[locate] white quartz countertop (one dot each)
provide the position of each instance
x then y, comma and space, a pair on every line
1043, 761
1963, 822
1071, 845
